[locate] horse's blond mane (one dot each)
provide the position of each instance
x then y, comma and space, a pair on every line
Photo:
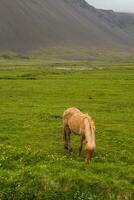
87, 116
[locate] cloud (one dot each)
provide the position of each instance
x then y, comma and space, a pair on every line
117, 5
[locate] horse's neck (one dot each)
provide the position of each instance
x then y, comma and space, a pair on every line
89, 132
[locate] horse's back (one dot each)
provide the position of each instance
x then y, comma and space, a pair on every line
73, 118
68, 113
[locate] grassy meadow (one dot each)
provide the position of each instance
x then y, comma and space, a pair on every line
33, 95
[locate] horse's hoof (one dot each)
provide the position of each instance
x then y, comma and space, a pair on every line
87, 161
71, 150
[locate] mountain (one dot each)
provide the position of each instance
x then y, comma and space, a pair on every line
124, 21
27, 25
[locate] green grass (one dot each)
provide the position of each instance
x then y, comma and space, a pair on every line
33, 163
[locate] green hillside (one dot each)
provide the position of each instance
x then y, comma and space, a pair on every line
33, 162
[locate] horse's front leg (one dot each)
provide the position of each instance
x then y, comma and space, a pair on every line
80, 146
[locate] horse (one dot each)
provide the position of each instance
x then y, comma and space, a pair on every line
74, 121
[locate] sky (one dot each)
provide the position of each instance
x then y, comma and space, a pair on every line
116, 5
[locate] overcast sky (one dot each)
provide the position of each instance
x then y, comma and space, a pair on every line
117, 5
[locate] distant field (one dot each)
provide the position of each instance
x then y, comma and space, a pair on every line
33, 163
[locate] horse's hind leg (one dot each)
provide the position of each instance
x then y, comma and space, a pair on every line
69, 141
65, 138
67, 133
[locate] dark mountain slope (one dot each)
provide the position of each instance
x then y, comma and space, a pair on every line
32, 24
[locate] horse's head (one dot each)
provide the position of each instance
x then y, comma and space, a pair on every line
89, 155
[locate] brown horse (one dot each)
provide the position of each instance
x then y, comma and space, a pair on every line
80, 124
